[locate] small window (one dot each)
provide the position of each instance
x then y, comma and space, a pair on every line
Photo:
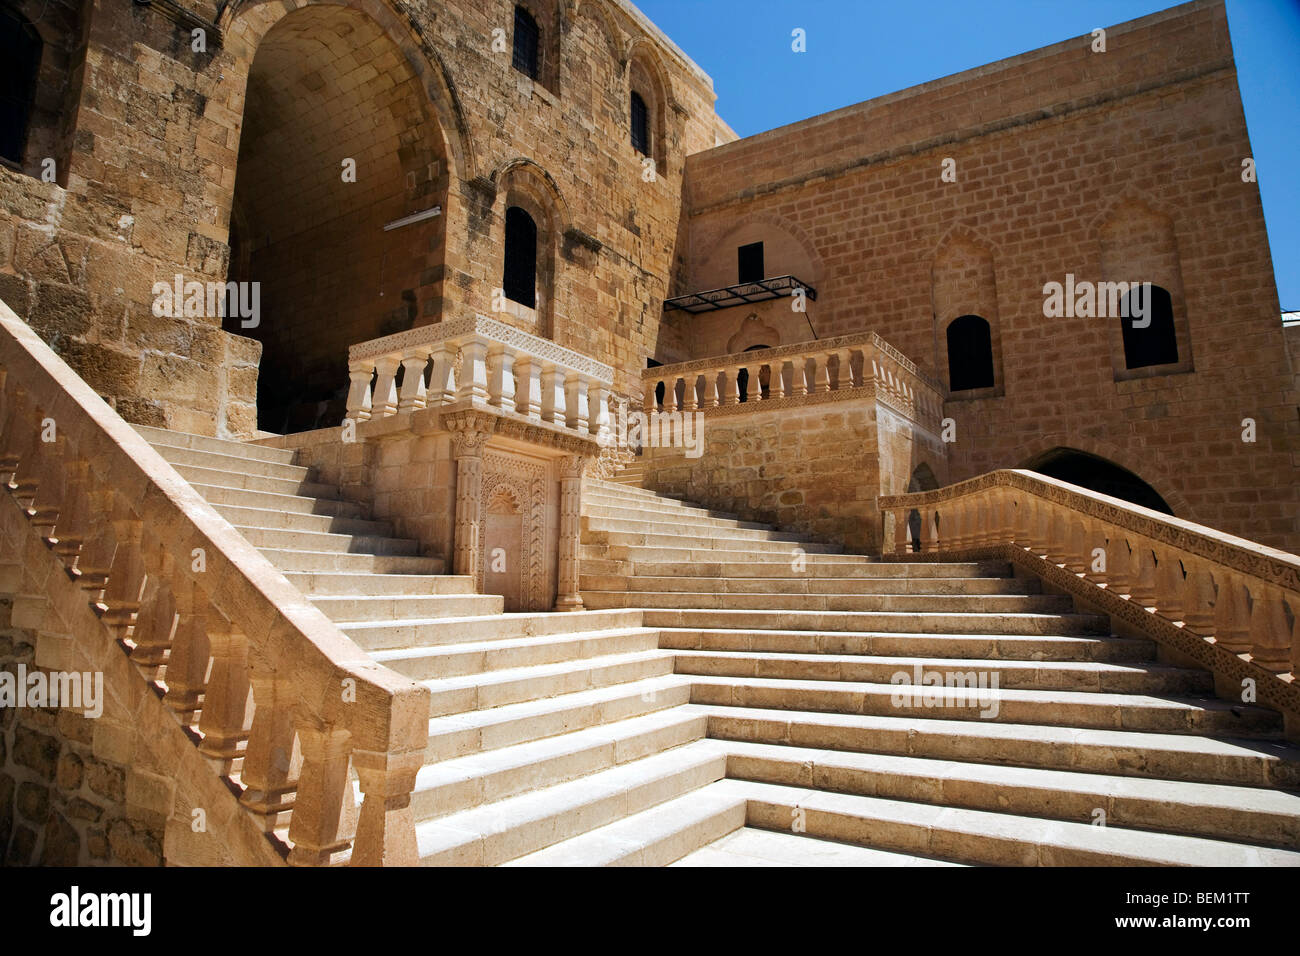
527, 44
970, 354
1154, 342
20, 56
640, 125
520, 275
750, 262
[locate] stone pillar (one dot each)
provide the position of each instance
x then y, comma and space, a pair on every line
570, 470
468, 450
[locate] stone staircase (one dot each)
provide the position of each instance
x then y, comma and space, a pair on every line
728, 698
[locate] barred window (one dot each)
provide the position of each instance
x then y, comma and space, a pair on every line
640, 125
527, 43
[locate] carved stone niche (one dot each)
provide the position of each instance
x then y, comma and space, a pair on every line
517, 516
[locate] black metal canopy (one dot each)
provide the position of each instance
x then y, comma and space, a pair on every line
746, 292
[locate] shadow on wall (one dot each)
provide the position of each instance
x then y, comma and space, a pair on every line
1097, 474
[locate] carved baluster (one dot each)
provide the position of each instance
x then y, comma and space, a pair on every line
776, 381
1231, 614
51, 464
442, 377
24, 444
1040, 535
268, 773
599, 404
1143, 587
501, 378
755, 387
902, 533
322, 820
359, 397
412, 395
15, 433
1198, 597
384, 398
1119, 561
650, 400
224, 718
710, 390
126, 579
799, 381
690, 393
731, 379
187, 665
156, 620
528, 397
473, 373
1075, 553
386, 825
929, 529
1270, 631
953, 531
1169, 585
576, 413
74, 521
553, 409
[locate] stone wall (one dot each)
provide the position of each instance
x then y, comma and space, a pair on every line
1120, 165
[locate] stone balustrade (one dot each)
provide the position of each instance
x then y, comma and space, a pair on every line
1178, 581
479, 362
806, 371
276, 698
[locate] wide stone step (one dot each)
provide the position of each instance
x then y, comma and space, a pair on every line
602, 508
218, 496
505, 830
349, 609
271, 520
1009, 674
989, 604
884, 621
1058, 708
454, 695
750, 846
978, 836
388, 635
719, 541
1000, 647
324, 584
234, 479
336, 562
650, 503
768, 565
223, 446
654, 837
456, 735
455, 660
686, 551
1245, 814
324, 541
804, 583
232, 464
1238, 761
679, 528
461, 783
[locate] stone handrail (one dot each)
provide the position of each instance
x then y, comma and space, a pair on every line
482, 362
799, 372
210, 621
1182, 581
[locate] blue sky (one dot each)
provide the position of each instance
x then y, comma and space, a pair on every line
858, 49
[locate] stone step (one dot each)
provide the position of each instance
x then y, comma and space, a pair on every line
271, 520
654, 837
940, 604
457, 735
232, 464
999, 647
805, 583
696, 553
324, 584
218, 497
282, 540
882, 621
340, 563
719, 541
455, 695
456, 660
1237, 761
1058, 708
981, 837
450, 786
1068, 675
1215, 811
223, 446
749, 846
654, 504
389, 635
349, 609
508, 829
817, 567
678, 527
604, 510
235, 479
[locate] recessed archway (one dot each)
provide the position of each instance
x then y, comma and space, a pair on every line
339, 144
1097, 474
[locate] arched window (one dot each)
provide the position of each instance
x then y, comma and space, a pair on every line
640, 125
20, 60
1152, 342
527, 44
970, 354
519, 281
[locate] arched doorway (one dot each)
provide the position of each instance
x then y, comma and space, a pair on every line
1097, 474
922, 480
339, 146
